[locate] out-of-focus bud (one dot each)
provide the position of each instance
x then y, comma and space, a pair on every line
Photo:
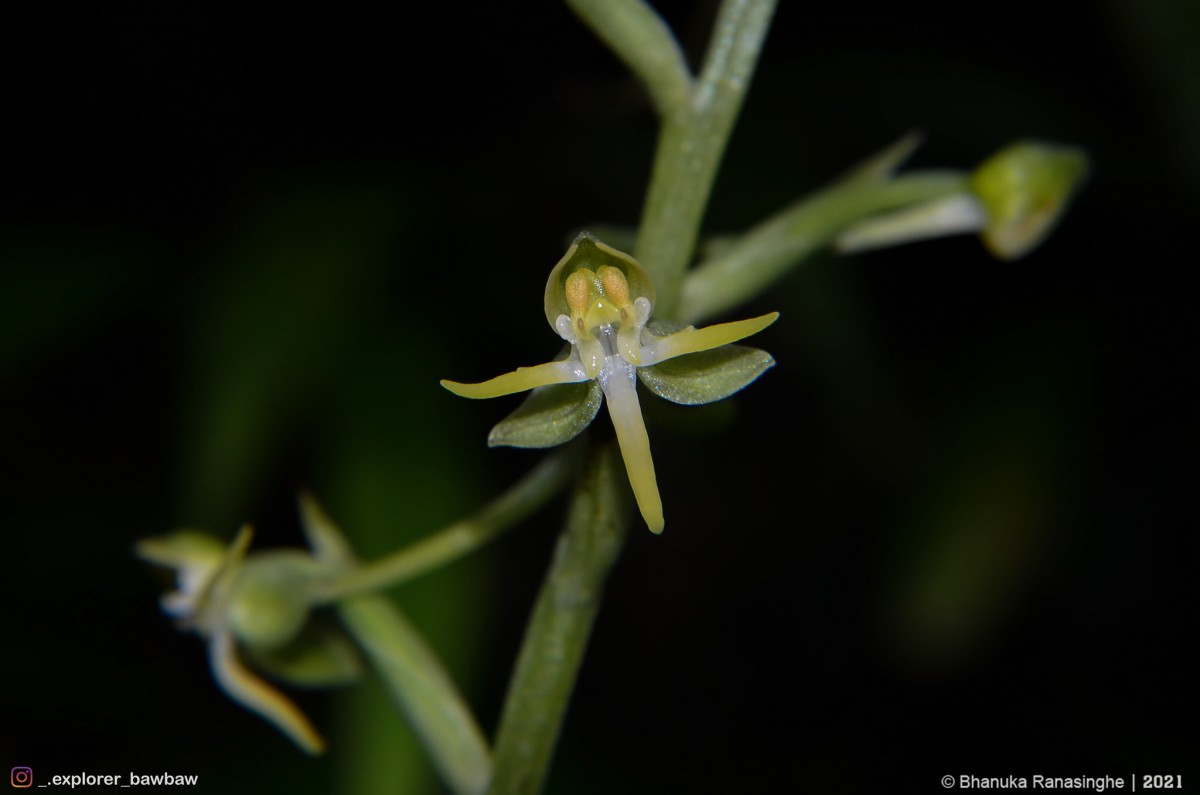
1024, 189
1013, 201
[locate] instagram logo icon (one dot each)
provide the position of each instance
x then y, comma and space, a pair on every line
22, 776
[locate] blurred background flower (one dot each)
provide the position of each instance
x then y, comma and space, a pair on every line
225, 235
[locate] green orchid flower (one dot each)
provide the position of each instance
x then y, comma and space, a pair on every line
600, 301
257, 606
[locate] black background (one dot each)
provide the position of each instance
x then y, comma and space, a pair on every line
947, 534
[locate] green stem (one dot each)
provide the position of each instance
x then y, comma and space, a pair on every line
423, 691
560, 626
414, 676
781, 242
691, 145
639, 37
527, 495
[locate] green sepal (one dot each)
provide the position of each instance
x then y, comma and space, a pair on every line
320, 656
659, 327
707, 376
550, 416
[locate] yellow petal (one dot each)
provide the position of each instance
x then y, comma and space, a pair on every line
626, 415
521, 380
694, 340
256, 695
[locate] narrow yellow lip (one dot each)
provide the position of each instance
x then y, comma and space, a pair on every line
626, 414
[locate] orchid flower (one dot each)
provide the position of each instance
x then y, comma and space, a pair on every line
600, 301
255, 603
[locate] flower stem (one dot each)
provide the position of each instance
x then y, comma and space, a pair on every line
423, 691
527, 495
560, 626
691, 144
412, 673
697, 118
766, 252
639, 37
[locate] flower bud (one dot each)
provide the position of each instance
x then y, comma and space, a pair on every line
1013, 200
1024, 189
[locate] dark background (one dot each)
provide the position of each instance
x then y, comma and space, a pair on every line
945, 535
